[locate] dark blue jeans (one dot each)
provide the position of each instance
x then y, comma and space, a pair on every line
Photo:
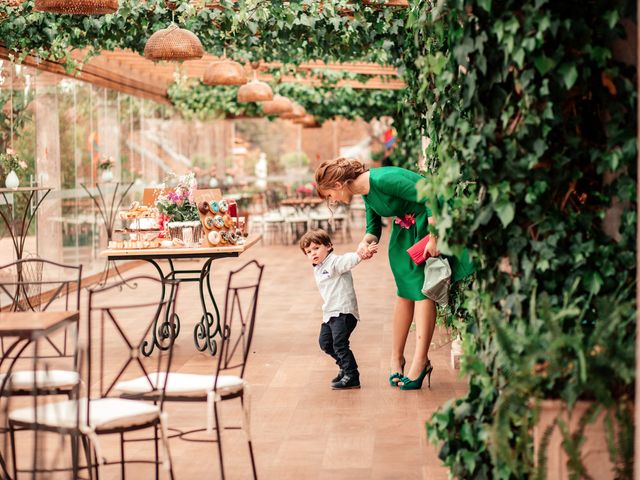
334, 341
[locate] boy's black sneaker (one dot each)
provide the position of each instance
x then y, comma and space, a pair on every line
338, 377
346, 382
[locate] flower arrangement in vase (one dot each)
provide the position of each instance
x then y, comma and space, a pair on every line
11, 164
179, 212
104, 166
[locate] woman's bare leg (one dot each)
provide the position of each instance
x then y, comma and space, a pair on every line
402, 318
425, 314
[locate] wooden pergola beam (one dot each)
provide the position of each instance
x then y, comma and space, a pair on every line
131, 63
100, 76
130, 73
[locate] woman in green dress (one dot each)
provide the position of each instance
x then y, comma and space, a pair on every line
391, 192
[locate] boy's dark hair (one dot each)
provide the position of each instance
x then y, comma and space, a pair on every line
317, 236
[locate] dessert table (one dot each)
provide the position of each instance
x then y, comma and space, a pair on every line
208, 326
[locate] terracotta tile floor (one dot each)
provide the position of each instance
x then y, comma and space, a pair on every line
301, 428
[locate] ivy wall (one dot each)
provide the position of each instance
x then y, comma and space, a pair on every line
530, 109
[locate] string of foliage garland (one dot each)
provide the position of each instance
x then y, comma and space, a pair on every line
206, 102
528, 102
247, 30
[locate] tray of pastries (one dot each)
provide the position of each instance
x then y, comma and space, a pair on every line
132, 244
140, 217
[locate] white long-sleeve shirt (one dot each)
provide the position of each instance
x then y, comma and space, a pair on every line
334, 280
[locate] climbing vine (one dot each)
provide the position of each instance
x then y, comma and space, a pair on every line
530, 110
203, 102
246, 30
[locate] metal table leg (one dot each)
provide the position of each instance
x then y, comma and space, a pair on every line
169, 328
209, 325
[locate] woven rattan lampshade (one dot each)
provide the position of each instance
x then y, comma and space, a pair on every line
277, 106
255, 91
225, 72
77, 7
173, 44
297, 112
306, 121
309, 121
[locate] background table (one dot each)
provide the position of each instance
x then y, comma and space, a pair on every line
208, 326
108, 211
17, 222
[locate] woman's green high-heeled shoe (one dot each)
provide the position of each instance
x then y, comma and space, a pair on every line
398, 375
408, 384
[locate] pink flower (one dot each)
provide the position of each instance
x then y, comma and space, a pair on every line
407, 221
22, 164
11, 151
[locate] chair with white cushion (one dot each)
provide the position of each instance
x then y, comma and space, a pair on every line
35, 284
227, 382
117, 328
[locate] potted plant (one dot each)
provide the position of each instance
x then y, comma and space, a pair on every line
104, 166
573, 378
11, 164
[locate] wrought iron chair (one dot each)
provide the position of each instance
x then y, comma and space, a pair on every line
227, 382
98, 409
36, 284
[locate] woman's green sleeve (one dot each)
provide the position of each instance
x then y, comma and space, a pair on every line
374, 222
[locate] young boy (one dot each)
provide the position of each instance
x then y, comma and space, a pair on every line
340, 308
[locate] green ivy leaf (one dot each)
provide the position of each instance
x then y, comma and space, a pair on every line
593, 281
569, 74
506, 212
485, 4
544, 64
469, 459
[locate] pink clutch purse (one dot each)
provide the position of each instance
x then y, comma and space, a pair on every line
416, 251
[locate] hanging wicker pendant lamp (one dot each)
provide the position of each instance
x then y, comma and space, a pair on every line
77, 7
297, 112
255, 91
279, 105
307, 121
173, 44
225, 72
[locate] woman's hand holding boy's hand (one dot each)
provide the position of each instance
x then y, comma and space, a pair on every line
366, 250
362, 250
372, 248
431, 249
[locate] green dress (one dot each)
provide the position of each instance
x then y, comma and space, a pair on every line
392, 193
